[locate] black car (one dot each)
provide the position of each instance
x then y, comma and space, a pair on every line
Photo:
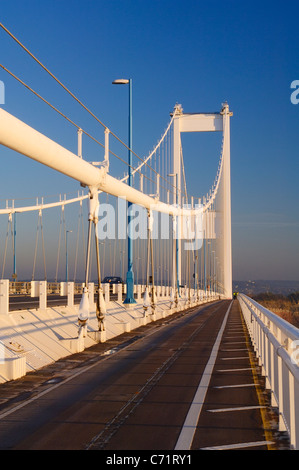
112, 280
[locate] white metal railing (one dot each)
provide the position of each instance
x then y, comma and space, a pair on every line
42, 289
276, 344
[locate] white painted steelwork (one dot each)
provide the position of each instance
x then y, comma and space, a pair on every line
276, 344
25, 140
210, 122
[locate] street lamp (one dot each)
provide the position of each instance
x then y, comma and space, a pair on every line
130, 274
66, 261
14, 276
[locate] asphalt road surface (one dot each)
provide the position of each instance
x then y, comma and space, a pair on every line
23, 302
182, 383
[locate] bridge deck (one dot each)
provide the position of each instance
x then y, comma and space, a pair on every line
134, 392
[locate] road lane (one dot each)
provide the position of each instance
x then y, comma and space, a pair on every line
24, 302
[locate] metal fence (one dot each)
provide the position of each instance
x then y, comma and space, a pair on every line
28, 288
276, 344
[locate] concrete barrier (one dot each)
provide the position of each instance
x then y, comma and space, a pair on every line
47, 334
12, 368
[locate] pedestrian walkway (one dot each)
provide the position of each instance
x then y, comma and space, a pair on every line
237, 412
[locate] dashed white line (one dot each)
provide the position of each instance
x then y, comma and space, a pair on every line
233, 358
235, 408
230, 350
235, 386
241, 445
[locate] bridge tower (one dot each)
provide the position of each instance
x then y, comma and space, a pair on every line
207, 122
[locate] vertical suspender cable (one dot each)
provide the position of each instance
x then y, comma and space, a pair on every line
39, 225
77, 241
43, 247
59, 238
35, 250
100, 304
6, 240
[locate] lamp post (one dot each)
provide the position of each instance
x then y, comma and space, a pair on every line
130, 274
14, 276
66, 260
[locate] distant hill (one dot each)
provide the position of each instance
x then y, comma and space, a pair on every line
258, 287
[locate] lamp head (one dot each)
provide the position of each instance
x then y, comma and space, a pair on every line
120, 81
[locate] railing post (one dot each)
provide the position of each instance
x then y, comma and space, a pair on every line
4, 297
294, 411
107, 292
282, 394
63, 288
119, 292
70, 294
138, 292
267, 359
158, 291
34, 289
43, 295
273, 375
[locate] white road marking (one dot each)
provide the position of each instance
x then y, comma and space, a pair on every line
235, 386
233, 358
241, 445
236, 408
230, 350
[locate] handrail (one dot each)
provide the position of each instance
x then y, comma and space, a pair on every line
275, 342
289, 330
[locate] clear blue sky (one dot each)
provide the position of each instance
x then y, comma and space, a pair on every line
196, 53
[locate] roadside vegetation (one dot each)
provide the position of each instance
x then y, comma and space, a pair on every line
286, 306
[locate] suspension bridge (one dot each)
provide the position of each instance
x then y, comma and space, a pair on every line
151, 255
